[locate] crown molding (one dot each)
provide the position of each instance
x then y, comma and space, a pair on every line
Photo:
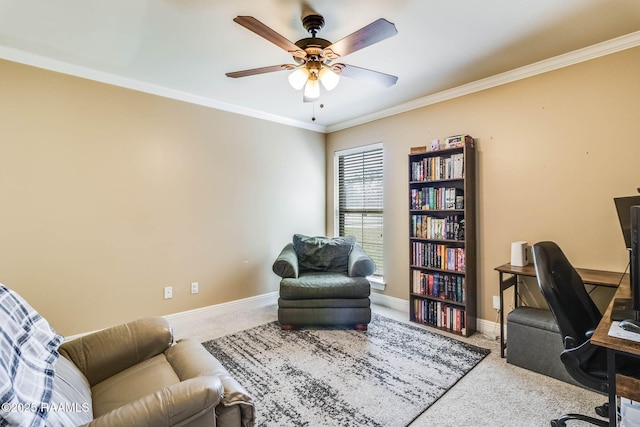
598, 50
22, 57
581, 55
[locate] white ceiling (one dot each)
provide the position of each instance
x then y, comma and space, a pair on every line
183, 48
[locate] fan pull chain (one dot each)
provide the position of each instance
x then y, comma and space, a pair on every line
313, 105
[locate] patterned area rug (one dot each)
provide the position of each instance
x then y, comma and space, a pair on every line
384, 377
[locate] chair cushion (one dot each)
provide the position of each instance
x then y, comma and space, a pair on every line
324, 303
534, 317
317, 285
327, 316
323, 253
144, 378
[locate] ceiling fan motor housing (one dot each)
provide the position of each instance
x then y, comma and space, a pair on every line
313, 23
313, 47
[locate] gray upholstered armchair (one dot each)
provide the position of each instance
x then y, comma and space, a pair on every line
324, 282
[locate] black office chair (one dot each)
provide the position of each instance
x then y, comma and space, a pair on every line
577, 317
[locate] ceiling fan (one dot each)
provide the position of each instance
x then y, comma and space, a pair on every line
313, 56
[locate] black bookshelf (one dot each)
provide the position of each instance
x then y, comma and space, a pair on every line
442, 238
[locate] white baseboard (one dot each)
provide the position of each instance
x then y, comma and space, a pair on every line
225, 307
202, 312
391, 302
489, 328
486, 327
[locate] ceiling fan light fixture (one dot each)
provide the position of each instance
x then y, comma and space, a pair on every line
313, 54
312, 88
328, 78
298, 78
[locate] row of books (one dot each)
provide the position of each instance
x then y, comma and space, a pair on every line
432, 198
436, 255
438, 168
440, 314
439, 285
450, 227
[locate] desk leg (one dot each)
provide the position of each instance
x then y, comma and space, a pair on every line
502, 346
503, 286
611, 375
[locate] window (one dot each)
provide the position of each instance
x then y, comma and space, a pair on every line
359, 199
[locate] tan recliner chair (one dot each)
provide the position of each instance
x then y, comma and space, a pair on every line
136, 376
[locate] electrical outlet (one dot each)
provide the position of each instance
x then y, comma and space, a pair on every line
496, 302
168, 292
194, 287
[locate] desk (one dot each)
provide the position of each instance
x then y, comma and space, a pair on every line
626, 386
589, 277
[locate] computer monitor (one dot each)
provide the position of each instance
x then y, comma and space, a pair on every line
623, 206
629, 308
635, 260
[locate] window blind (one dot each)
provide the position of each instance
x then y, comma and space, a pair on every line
360, 201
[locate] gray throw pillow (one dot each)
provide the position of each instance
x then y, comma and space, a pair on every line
321, 253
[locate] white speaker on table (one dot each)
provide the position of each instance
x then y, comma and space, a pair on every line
519, 254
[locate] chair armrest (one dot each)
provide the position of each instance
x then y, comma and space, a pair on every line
170, 406
286, 265
360, 264
191, 359
576, 359
570, 342
103, 354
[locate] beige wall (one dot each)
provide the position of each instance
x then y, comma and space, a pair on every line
553, 151
108, 195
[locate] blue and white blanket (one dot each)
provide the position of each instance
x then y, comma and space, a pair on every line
28, 353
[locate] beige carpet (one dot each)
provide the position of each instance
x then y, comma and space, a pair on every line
494, 393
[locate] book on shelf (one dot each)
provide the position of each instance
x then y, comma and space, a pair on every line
437, 198
457, 141
449, 227
437, 168
439, 256
439, 285
440, 314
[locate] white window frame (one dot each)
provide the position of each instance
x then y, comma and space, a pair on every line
377, 281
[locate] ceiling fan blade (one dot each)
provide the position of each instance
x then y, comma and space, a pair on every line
262, 70
251, 23
365, 36
386, 80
